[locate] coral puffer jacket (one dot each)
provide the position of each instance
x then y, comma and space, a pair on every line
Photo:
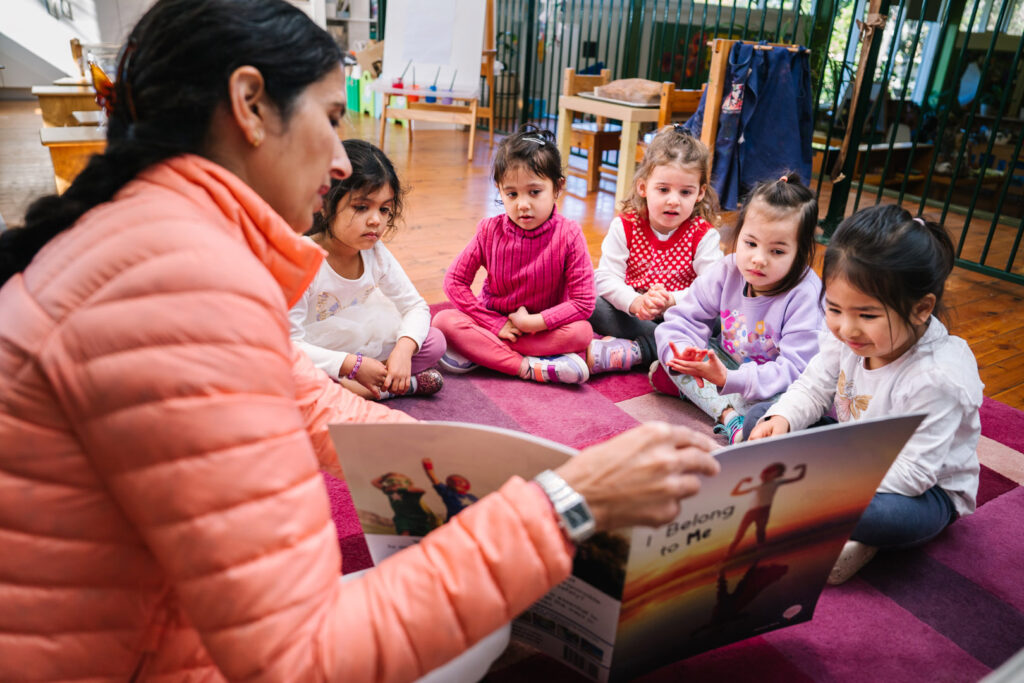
162, 515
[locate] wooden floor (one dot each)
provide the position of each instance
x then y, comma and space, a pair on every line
448, 196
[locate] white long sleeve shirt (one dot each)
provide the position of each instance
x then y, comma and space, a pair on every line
937, 376
337, 316
610, 275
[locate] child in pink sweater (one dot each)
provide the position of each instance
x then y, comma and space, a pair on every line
530, 319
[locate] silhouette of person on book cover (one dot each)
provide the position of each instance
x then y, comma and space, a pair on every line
764, 494
412, 516
454, 491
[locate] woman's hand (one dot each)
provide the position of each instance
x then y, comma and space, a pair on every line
774, 425
639, 476
527, 322
399, 366
509, 332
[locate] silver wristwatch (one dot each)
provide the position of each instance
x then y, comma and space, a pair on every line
574, 515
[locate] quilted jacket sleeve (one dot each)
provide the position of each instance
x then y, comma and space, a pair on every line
324, 401
179, 379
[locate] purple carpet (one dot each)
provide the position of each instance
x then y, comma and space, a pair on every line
951, 611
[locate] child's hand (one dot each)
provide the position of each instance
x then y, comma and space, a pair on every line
428, 464
701, 364
399, 365
509, 332
644, 308
774, 425
527, 322
659, 299
371, 374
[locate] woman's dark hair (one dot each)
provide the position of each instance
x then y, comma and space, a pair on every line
675, 145
371, 170
888, 254
172, 76
780, 199
530, 148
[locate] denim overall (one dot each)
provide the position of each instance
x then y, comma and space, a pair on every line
765, 124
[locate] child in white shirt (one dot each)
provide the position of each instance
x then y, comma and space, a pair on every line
663, 238
361, 319
884, 274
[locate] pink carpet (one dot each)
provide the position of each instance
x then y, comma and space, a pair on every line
951, 611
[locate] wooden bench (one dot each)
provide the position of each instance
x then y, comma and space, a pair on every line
70, 149
58, 102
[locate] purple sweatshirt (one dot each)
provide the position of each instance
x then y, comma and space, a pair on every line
771, 337
547, 270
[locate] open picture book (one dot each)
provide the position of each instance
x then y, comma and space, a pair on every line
748, 554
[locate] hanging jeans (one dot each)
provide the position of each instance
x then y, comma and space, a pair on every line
765, 122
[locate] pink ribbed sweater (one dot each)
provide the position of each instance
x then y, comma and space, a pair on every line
548, 270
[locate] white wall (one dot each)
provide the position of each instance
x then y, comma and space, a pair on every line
35, 47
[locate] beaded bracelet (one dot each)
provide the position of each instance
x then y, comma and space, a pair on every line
355, 368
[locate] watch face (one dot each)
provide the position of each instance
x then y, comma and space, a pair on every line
576, 516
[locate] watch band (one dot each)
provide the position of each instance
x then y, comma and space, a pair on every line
573, 513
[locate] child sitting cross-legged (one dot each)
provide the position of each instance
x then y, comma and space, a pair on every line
661, 241
884, 274
765, 295
530, 320
361, 319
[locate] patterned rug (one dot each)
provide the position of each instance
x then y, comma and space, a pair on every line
950, 611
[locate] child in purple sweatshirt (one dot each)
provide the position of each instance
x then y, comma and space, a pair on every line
767, 297
530, 319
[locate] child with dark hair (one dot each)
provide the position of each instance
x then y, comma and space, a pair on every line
888, 354
530, 319
361, 319
663, 238
767, 298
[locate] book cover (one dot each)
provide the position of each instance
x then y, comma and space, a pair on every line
748, 554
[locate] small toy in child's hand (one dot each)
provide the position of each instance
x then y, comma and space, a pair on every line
691, 353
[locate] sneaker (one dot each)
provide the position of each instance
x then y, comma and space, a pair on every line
732, 430
612, 354
567, 368
426, 383
660, 381
454, 362
854, 556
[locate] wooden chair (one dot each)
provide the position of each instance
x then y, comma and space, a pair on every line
676, 105
593, 138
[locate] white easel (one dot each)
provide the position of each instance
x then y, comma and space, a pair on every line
443, 38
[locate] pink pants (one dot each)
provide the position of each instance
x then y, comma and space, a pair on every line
430, 351
485, 348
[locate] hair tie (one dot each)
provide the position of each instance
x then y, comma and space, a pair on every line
783, 179
535, 138
682, 129
918, 219
106, 88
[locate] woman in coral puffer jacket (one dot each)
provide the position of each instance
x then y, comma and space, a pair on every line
161, 510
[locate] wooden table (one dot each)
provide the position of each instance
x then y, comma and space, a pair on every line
631, 117
70, 149
57, 102
462, 109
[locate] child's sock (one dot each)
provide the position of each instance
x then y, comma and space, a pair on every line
454, 362
854, 556
567, 368
660, 381
610, 354
731, 427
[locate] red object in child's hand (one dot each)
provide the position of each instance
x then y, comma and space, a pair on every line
691, 353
